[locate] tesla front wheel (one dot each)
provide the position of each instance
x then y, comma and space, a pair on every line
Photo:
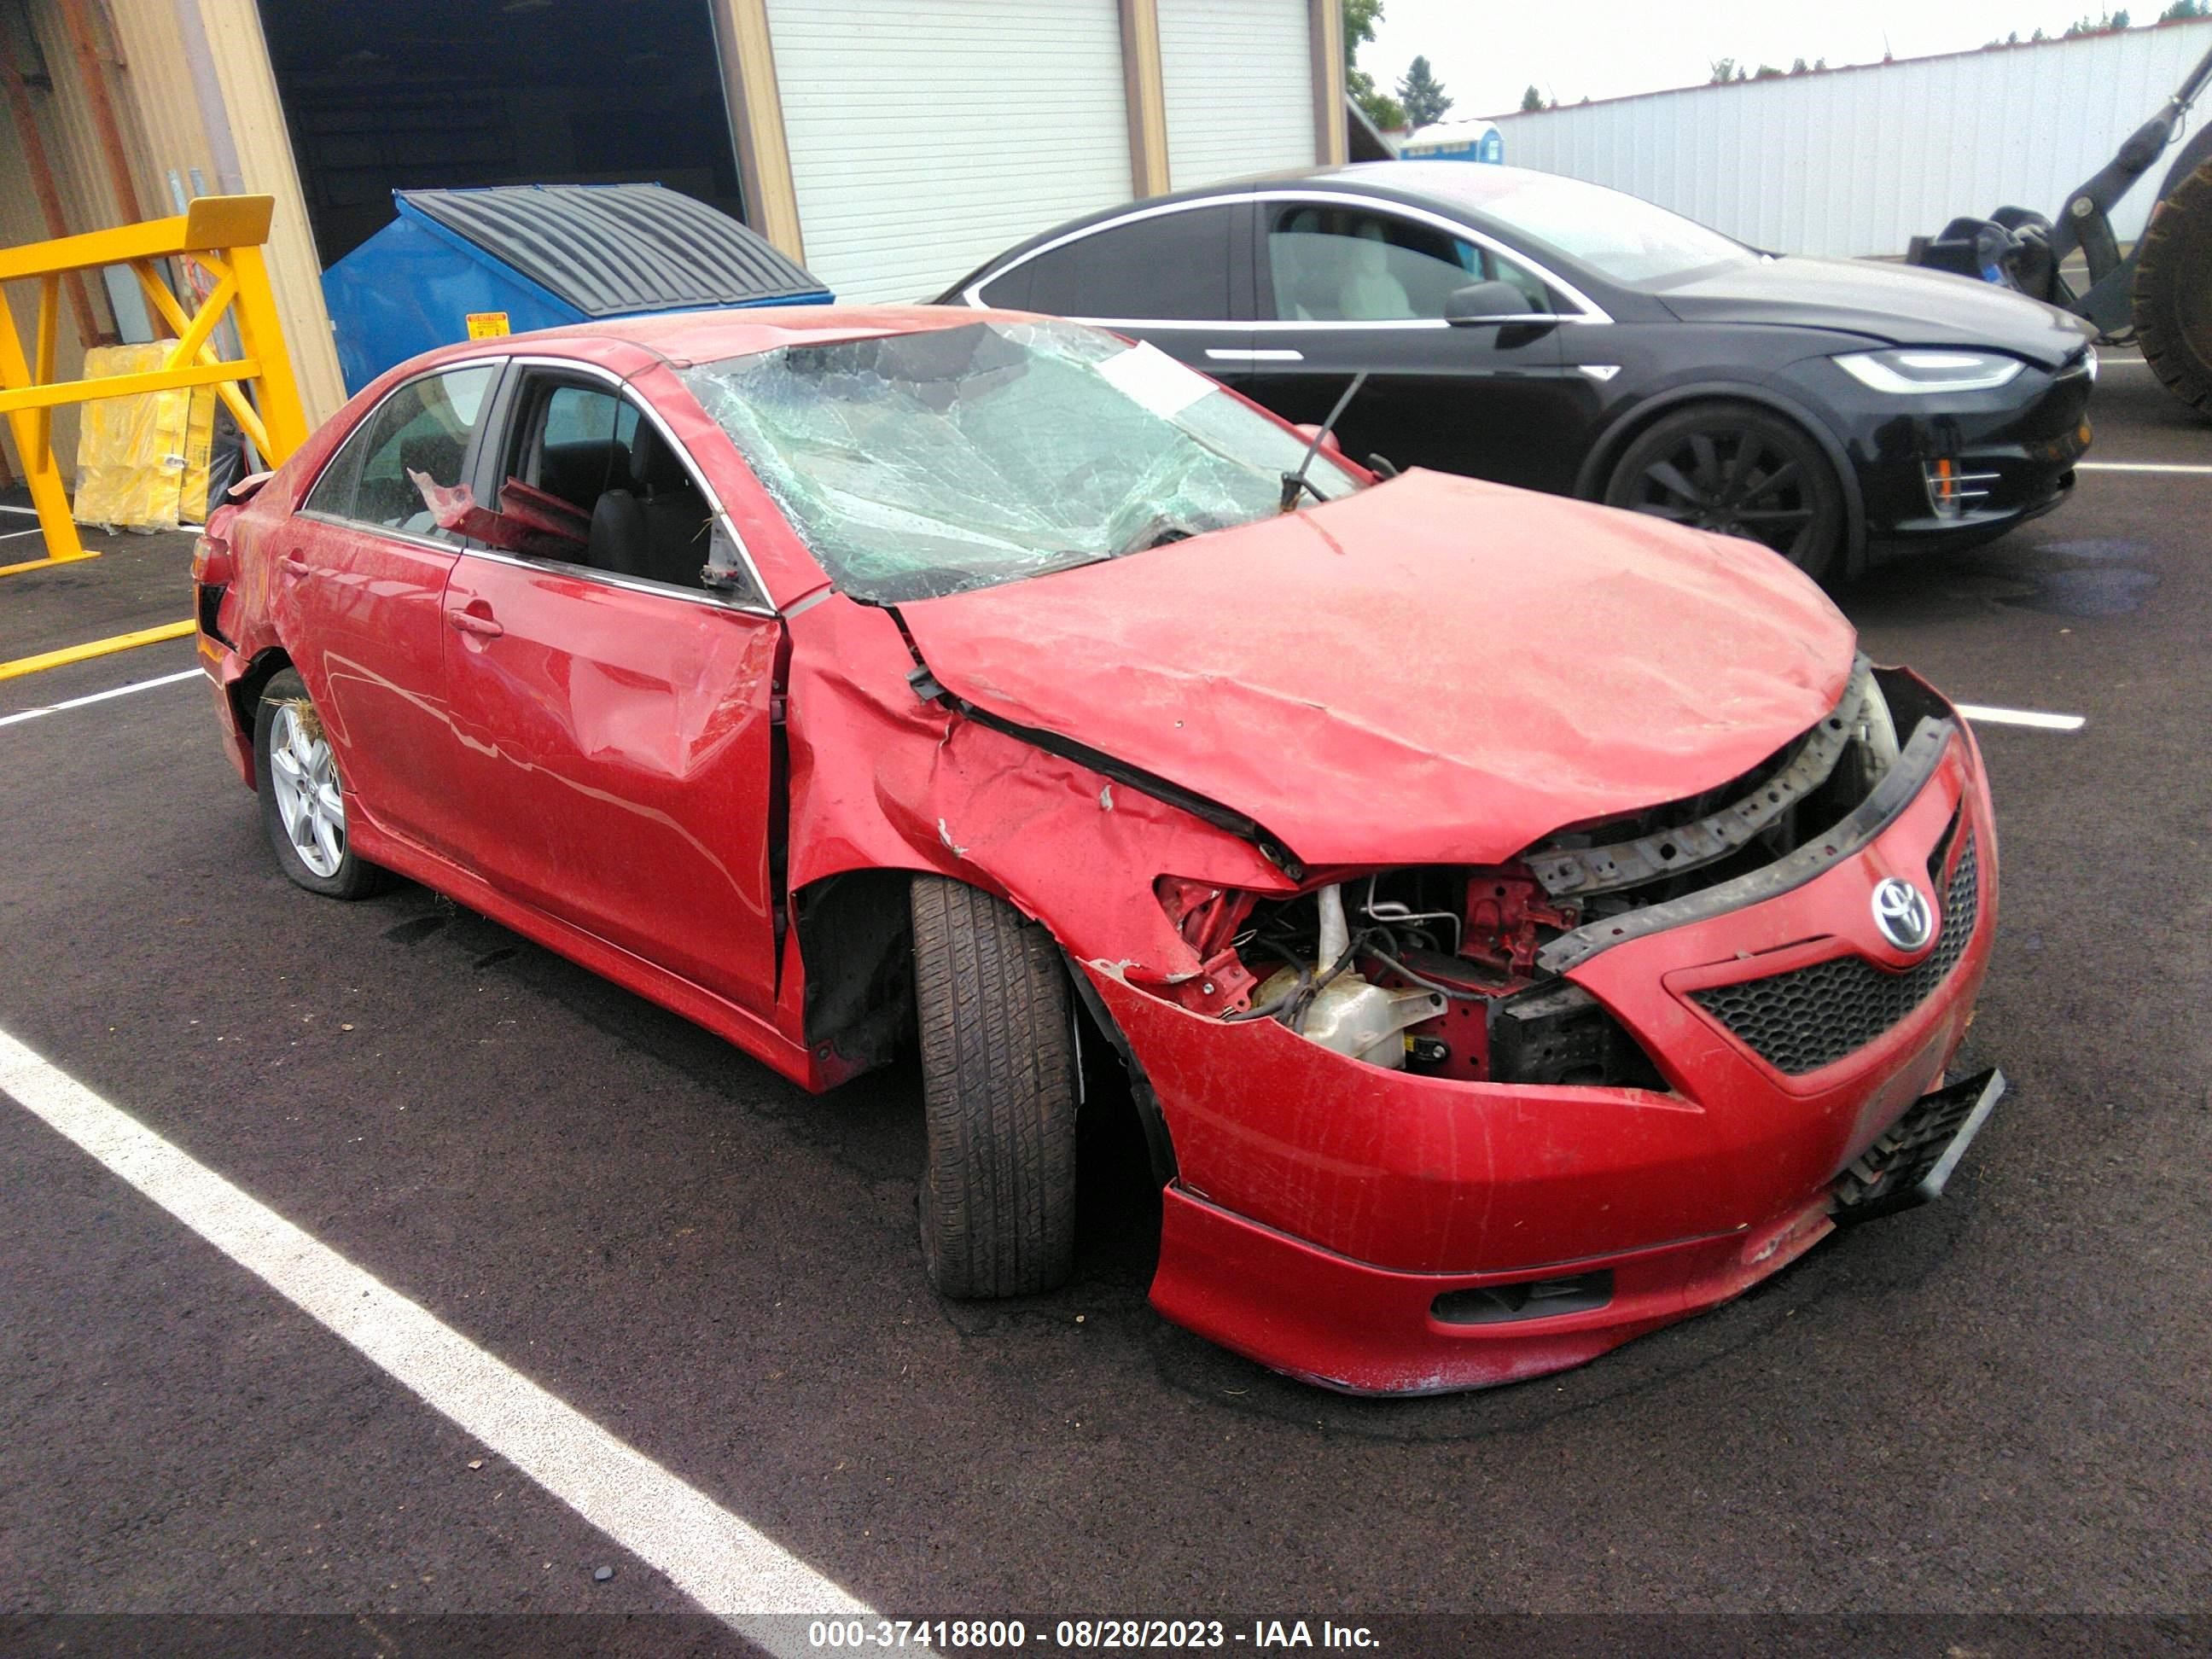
1736, 470
998, 1062
303, 804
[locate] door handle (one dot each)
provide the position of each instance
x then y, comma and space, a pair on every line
294, 565
1235, 354
469, 621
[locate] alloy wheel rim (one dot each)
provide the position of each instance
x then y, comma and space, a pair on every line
309, 802
1735, 482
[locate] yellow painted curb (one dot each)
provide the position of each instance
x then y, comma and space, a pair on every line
22, 665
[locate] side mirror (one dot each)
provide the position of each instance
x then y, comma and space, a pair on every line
1329, 446
1479, 303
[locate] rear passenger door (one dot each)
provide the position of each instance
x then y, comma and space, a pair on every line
1345, 285
615, 709
360, 577
1179, 276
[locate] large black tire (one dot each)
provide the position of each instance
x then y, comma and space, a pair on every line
998, 1061
1739, 470
285, 717
2172, 297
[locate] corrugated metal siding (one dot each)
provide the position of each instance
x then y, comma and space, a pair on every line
926, 139
157, 84
264, 153
1858, 161
40, 43
1239, 79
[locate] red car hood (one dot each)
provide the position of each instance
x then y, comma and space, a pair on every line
1432, 671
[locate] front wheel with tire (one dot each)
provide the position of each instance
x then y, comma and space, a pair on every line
1738, 469
303, 805
998, 1061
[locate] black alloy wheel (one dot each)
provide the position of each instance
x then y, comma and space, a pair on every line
1737, 471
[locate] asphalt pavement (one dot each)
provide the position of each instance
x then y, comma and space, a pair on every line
1994, 1405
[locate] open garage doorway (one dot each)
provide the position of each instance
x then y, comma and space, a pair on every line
400, 94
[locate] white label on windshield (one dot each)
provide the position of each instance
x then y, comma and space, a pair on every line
1155, 381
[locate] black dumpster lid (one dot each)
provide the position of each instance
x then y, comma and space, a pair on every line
611, 249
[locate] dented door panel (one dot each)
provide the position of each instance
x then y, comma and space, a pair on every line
616, 744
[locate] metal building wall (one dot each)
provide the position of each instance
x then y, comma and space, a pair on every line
41, 46
1859, 161
161, 120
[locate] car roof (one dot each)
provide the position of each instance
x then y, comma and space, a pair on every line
686, 337
1459, 188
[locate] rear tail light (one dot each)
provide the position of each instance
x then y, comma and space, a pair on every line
211, 562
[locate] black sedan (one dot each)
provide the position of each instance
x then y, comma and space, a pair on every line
1554, 334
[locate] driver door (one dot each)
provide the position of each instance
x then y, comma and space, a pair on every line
615, 712
1345, 287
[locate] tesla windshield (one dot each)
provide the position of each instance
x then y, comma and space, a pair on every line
929, 463
1620, 236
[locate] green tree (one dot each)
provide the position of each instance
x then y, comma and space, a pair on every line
1360, 17
1532, 100
2182, 10
1423, 95
1767, 72
1724, 71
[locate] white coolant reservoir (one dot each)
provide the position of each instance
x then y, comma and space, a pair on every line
1354, 1017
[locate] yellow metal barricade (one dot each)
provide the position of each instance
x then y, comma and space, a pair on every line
222, 232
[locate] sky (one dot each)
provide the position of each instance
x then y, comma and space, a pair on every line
1486, 53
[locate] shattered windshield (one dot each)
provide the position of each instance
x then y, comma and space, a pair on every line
925, 463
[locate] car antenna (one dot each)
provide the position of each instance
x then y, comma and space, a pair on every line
1294, 483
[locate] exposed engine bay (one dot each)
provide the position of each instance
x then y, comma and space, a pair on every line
1457, 971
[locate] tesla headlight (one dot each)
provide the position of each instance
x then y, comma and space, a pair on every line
1911, 373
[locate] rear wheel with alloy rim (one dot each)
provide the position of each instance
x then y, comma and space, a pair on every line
1738, 470
303, 805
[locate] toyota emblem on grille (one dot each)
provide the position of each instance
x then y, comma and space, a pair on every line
1903, 913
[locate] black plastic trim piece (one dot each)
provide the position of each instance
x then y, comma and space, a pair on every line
1579, 871
1915, 764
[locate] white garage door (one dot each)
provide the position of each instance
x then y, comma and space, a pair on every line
1237, 77
925, 138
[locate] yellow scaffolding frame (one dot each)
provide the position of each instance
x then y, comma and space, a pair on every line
222, 232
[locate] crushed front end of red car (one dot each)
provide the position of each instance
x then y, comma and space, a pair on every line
1501, 1052
1594, 1130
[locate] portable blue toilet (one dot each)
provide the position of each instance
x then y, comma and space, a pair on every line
1455, 141
458, 265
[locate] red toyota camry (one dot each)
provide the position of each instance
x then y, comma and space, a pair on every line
1523, 924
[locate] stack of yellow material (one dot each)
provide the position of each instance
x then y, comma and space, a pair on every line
141, 462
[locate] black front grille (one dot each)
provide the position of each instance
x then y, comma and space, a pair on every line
1800, 1021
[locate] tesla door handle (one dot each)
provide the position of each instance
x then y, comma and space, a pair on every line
469, 621
1279, 355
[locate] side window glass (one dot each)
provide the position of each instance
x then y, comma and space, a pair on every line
593, 482
423, 428
1172, 267
1347, 265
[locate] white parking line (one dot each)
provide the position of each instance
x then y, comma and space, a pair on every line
10, 535
101, 697
1982, 714
752, 1583
2139, 466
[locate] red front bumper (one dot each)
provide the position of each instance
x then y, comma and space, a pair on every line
1321, 1205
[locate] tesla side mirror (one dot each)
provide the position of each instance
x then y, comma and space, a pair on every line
1328, 443
1479, 303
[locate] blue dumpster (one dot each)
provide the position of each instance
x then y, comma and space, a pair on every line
465, 263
